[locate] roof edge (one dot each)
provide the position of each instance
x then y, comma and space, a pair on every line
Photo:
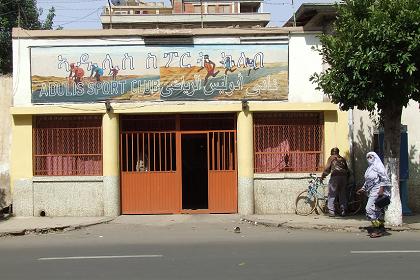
19, 33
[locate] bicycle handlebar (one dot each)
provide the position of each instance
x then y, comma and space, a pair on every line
313, 175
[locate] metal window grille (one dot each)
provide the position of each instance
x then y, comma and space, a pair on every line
222, 150
288, 142
148, 151
147, 143
67, 145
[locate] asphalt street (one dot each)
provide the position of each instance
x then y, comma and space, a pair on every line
208, 251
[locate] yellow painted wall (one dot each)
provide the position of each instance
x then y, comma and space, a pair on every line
173, 107
336, 133
21, 157
245, 145
110, 132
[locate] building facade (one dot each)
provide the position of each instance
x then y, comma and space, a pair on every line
109, 122
6, 88
364, 130
365, 138
185, 14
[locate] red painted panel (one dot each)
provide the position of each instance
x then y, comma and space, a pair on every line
223, 191
150, 192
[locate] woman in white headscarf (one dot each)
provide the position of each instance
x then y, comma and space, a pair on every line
376, 185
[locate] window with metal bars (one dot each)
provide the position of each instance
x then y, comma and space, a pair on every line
67, 145
147, 143
222, 152
288, 142
149, 151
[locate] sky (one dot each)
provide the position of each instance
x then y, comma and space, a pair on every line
85, 14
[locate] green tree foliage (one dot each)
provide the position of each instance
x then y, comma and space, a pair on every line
14, 13
374, 55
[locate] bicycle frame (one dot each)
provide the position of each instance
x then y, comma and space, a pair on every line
314, 186
315, 197
307, 200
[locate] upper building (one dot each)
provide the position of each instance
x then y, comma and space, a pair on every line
184, 14
314, 16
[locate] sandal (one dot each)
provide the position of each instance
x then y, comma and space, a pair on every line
375, 235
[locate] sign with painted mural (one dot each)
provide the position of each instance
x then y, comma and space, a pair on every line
138, 73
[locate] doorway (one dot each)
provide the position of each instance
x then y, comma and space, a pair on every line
194, 171
182, 163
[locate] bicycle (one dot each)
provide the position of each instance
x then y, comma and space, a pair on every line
307, 200
354, 202
316, 197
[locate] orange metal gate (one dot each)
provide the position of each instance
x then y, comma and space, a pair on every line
151, 168
149, 178
223, 191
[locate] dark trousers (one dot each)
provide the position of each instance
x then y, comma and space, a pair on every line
337, 187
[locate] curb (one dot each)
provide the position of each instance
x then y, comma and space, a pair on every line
44, 230
288, 225
344, 228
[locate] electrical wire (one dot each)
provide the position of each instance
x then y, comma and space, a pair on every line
277, 3
67, 2
79, 19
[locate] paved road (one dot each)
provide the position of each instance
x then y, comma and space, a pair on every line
208, 251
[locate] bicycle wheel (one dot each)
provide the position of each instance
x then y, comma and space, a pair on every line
322, 205
305, 203
355, 205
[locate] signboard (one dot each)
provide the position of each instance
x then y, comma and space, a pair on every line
138, 72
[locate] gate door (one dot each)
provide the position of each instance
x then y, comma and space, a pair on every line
150, 182
222, 179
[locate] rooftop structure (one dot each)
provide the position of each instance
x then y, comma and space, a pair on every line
314, 16
184, 14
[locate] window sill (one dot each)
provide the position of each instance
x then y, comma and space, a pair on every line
67, 179
274, 176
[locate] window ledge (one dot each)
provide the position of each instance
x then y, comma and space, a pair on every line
68, 179
274, 176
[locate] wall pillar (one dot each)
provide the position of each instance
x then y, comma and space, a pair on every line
111, 167
336, 133
6, 88
245, 148
21, 166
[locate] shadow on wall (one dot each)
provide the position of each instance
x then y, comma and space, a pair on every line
2, 198
414, 180
361, 146
363, 143
4, 192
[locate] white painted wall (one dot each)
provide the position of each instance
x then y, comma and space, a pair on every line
6, 91
411, 118
303, 62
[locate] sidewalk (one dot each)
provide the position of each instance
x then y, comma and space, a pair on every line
323, 222
12, 226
